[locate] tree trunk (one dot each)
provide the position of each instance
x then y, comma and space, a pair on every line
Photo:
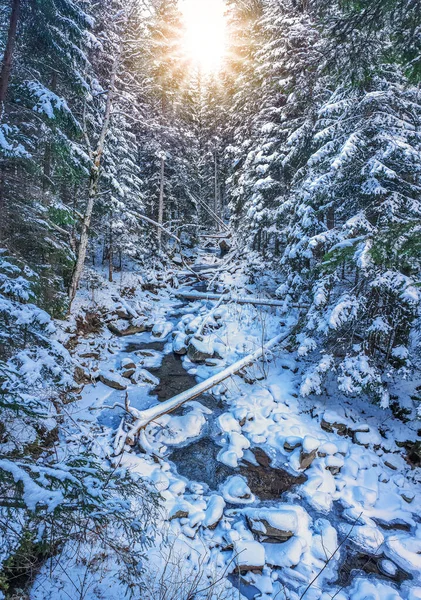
161, 201
48, 155
110, 255
8, 53
93, 183
216, 202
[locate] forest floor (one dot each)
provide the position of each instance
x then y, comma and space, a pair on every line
264, 494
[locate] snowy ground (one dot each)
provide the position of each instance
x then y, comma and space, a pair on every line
351, 530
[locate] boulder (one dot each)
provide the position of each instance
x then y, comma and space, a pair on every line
128, 373
112, 380
333, 422
214, 511
199, 351
128, 363
291, 443
277, 524
306, 458
130, 330
249, 555
92, 354
180, 343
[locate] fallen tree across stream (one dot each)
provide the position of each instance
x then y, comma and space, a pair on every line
144, 417
235, 299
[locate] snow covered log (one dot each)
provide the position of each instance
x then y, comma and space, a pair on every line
144, 417
235, 299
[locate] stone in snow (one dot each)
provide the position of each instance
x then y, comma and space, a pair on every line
199, 351
214, 511
180, 343
249, 556
273, 523
236, 491
162, 329
112, 380
331, 421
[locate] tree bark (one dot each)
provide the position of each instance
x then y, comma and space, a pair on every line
110, 255
93, 183
161, 201
8, 53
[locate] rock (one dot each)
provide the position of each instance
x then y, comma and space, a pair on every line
333, 422
249, 555
143, 376
279, 525
179, 514
180, 343
128, 373
389, 464
162, 329
224, 246
407, 496
80, 376
198, 351
327, 449
94, 355
128, 363
112, 380
334, 464
131, 330
306, 458
214, 511
261, 457
291, 443
122, 314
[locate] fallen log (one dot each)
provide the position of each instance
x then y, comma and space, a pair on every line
235, 299
144, 417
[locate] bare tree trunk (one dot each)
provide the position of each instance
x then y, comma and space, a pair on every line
93, 183
110, 254
161, 201
216, 202
8, 53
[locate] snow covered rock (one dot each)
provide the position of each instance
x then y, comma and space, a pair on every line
180, 343
143, 376
214, 511
286, 555
279, 523
200, 350
292, 442
162, 329
138, 326
236, 491
113, 380
331, 421
308, 452
128, 368
249, 555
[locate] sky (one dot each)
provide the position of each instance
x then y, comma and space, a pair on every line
205, 37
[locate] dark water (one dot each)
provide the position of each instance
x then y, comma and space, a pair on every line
198, 462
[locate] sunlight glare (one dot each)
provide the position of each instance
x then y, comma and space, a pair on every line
205, 32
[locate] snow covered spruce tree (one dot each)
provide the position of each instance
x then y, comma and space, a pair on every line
285, 64
325, 180
41, 163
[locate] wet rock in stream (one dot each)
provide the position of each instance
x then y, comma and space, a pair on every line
198, 462
369, 564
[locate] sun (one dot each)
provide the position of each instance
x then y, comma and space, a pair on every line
205, 33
